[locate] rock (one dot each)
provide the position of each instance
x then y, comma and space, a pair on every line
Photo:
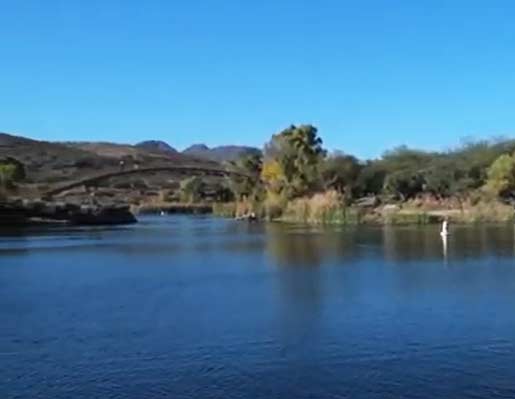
367, 202
104, 215
390, 208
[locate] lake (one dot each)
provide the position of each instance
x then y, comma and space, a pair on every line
199, 307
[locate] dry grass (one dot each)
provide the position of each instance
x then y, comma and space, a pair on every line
472, 209
237, 209
330, 208
322, 208
227, 210
491, 211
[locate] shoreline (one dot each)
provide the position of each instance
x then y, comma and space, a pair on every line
24, 212
389, 214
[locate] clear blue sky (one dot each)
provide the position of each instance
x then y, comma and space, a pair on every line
369, 74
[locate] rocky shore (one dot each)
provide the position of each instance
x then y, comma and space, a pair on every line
28, 212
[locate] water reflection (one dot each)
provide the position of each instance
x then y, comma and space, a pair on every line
425, 243
444, 246
309, 246
313, 247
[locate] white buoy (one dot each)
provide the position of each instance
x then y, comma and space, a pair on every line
162, 213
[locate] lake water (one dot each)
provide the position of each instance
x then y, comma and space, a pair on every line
197, 307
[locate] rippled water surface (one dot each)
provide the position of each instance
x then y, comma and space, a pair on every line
186, 307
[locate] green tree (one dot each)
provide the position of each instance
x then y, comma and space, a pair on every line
340, 172
248, 184
11, 171
404, 184
296, 153
191, 189
371, 179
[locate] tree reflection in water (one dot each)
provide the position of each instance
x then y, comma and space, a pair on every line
309, 246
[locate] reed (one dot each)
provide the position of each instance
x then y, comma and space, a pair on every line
322, 208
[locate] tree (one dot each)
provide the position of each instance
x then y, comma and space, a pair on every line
191, 189
223, 193
248, 186
340, 172
404, 184
10, 171
501, 176
439, 181
294, 156
371, 178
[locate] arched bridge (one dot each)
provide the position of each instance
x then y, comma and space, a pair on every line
192, 170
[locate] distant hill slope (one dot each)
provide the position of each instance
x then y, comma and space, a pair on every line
46, 161
53, 162
220, 154
140, 153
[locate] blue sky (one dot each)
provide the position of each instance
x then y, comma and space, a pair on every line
369, 74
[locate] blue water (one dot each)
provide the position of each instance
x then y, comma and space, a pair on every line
197, 307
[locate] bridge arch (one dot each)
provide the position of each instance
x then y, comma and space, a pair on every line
193, 170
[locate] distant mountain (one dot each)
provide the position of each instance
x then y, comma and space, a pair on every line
196, 149
157, 146
220, 154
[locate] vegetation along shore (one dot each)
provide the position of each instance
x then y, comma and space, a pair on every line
292, 179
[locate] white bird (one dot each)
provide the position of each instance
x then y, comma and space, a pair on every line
444, 231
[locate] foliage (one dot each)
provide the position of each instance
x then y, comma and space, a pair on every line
249, 185
404, 184
273, 175
296, 181
407, 173
501, 176
291, 161
371, 179
340, 172
191, 189
224, 193
11, 171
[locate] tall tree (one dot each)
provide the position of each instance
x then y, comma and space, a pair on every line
294, 156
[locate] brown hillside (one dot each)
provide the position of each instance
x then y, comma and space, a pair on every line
48, 162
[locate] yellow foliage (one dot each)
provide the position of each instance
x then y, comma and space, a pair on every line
273, 175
